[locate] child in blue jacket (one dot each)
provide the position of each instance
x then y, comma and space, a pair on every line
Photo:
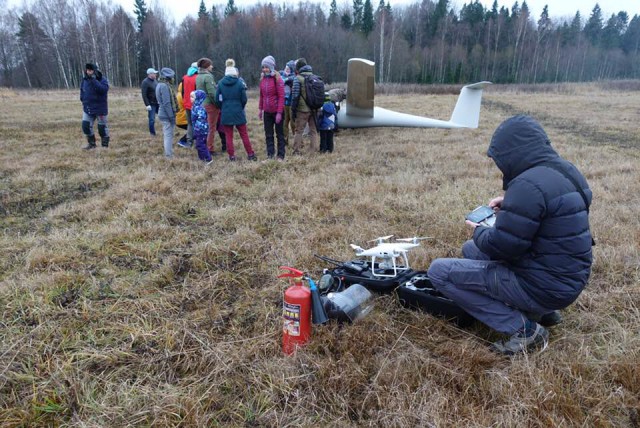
200, 125
326, 126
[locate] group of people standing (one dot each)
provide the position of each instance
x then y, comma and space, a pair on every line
212, 107
205, 107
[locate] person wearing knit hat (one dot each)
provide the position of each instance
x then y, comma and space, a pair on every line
148, 89
168, 107
270, 63
288, 74
205, 82
231, 98
230, 69
188, 86
271, 106
93, 94
300, 111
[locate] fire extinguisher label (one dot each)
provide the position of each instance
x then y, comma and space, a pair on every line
291, 315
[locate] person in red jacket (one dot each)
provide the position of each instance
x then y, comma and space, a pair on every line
271, 106
188, 86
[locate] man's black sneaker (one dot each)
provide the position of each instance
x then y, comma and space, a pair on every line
252, 157
521, 342
89, 147
550, 319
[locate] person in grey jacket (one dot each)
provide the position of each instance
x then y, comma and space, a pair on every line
536, 259
148, 89
167, 107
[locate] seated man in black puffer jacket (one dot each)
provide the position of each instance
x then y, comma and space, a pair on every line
537, 257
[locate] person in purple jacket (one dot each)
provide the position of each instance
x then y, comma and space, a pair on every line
93, 94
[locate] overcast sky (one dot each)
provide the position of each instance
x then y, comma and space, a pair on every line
179, 9
557, 8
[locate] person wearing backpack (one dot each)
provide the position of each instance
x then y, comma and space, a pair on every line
327, 125
271, 106
288, 76
303, 110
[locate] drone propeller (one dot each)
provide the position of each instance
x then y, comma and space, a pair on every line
356, 247
415, 239
380, 239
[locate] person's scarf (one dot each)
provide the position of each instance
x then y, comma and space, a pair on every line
172, 91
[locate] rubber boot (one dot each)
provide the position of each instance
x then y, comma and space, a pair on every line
91, 142
105, 141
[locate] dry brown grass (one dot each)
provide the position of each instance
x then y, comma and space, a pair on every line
137, 291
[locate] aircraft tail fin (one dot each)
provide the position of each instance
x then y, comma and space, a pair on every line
467, 110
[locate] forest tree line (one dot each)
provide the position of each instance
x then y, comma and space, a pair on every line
46, 43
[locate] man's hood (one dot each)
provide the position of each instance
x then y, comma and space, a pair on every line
200, 96
518, 144
96, 70
306, 69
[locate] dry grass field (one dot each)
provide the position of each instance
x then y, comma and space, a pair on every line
136, 291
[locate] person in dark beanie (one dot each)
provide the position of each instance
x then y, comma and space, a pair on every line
93, 95
536, 259
148, 89
300, 111
271, 106
166, 95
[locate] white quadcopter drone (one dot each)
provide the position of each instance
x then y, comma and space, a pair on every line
389, 252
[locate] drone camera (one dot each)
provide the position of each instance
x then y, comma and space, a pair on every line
352, 267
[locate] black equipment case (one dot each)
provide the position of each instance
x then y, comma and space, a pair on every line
413, 288
359, 272
417, 292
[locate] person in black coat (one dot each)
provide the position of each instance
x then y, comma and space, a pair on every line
93, 94
536, 259
148, 89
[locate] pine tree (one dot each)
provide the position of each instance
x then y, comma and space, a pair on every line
367, 18
333, 13
215, 20
140, 10
357, 15
202, 11
593, 27
231, 9
345, 21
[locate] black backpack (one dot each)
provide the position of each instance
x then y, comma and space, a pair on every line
314, 87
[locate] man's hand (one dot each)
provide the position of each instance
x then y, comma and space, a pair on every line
278, 118
496, 203
260, 114
472, 224
149, 108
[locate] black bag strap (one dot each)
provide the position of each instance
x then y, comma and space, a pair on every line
575, 184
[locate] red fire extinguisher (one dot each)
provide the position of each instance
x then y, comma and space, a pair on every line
296, 311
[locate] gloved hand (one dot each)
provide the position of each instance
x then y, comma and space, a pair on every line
278, 118
149, 108
260, 114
